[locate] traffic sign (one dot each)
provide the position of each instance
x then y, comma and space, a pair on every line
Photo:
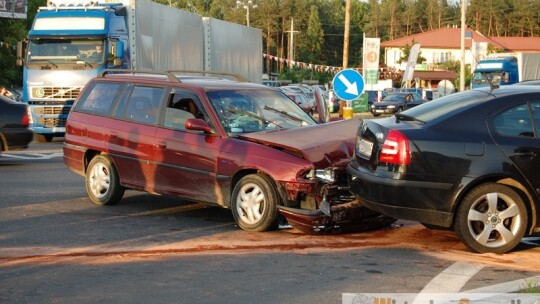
348, 84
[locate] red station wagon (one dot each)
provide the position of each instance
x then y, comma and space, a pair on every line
235, 144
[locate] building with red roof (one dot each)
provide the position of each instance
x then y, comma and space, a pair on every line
444, 44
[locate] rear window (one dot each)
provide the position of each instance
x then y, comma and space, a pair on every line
99, 98
516, 121
442, 106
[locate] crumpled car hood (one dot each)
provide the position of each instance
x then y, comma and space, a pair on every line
323, 145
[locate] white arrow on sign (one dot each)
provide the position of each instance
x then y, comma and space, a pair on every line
352, 88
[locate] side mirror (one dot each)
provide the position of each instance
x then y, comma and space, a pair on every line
20, 50
197, 124
117, 52
322, 107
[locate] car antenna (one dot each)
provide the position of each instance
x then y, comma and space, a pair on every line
492, 86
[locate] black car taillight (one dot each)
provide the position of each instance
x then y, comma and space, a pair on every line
25, 121
395, 149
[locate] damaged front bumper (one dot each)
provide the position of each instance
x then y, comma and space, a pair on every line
345, 217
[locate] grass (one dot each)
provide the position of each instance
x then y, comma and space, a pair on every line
529, 286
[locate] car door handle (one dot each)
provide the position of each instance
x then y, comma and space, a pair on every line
161, 145
112, 135
526, 153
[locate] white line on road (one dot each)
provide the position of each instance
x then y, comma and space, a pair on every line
28, 155
451, 280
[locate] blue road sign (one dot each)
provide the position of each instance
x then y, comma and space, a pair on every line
348, 84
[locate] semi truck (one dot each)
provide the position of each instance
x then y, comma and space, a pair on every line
70, 43
506, 69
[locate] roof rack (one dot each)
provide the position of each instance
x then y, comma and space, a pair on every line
171, 77
204, 73
171, 73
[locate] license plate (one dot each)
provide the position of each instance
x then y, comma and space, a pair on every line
364, 147
379, 111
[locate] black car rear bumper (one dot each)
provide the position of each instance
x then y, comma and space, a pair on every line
16, 138
412, 200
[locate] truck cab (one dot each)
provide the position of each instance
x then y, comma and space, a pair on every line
495, 71
65, 48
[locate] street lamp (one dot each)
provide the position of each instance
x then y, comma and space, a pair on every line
247, 5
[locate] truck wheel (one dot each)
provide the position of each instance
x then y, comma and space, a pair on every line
102, 182
254, 203
44, 137
491, 218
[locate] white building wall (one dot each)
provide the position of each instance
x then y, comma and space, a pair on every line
433, 56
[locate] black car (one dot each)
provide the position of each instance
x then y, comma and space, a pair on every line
467, 161
395, 103
14, 131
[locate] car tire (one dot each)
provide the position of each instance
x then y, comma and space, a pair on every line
254, 203
497, 205
102, 181
44, 137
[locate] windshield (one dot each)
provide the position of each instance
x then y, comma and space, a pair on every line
394, 98
486, 78
441, 106
246, 111
65, 51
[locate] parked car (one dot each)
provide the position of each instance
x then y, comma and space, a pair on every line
332, 101
529, 82
395, 103
301, 100
14, 121
467, 161
306, 90
229, 143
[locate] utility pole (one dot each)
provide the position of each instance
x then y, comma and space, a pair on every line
346, 34
291, 41
462, 65
247, 6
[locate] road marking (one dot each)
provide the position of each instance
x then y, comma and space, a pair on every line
453, 278
450, 280
30, 155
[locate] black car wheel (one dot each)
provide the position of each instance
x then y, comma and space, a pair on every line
102, 181
491, 218
254, 203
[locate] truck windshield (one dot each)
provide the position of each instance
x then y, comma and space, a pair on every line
58, 51
485, 78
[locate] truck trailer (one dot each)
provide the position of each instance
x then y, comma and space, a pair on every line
70, 43
506, 69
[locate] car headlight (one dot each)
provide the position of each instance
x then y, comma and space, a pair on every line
391, 107
326, 176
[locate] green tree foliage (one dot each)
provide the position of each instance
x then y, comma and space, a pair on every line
406, 51
314, 34
319, 25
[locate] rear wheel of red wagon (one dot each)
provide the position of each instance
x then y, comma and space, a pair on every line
254, 203
102, 181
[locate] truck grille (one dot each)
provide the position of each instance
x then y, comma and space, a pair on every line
56, 92
52, 122
51, 110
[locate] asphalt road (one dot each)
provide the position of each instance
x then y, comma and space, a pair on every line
58, 247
